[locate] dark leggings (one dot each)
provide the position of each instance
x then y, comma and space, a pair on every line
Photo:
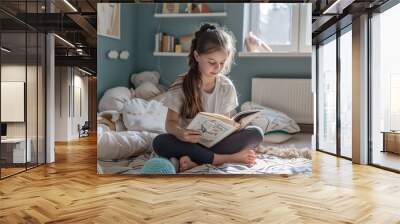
168, 146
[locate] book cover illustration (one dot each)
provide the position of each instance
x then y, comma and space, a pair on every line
211, 129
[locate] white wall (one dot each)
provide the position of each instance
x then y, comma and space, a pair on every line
61, 103
79, 117
12, 73
69, 85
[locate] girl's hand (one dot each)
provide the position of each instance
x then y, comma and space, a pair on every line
187, 135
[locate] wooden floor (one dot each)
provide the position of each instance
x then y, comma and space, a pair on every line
70, 191
10, 171
387, 159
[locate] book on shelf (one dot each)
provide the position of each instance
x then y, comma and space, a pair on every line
164, 42
215, 127
157, 42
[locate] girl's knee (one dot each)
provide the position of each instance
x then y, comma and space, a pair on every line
255, 133
159, 141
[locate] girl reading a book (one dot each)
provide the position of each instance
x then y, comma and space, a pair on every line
206, 88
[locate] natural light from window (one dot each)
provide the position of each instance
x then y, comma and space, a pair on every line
346, 94
277, 27
327, 97
275, 24
385, 78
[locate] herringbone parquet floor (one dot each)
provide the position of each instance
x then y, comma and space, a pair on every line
69, 191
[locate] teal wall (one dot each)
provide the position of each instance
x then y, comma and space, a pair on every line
113, 73
169, 67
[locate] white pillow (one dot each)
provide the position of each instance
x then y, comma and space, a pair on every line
271, 120
277, 137
142, 115
114, 99
122, 145
110, 103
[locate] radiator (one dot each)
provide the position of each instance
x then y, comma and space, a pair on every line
291, 96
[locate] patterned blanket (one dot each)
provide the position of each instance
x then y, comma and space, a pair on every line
267, 162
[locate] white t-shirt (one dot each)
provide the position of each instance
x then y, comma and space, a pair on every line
222, 100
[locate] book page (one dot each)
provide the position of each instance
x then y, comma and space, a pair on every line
245, 117
220, 117
212, 130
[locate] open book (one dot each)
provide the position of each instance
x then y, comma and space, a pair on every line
215, 127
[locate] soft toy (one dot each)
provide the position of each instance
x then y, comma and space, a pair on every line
146, 76
114, 98
147, 84
147, 90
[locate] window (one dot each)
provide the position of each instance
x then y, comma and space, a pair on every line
394, 102
334, 83
385, 84
327, 96
346, 93
283, 27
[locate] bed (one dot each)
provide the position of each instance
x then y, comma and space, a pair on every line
266, 163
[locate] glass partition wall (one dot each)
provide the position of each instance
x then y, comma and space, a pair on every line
334, 100
22, 87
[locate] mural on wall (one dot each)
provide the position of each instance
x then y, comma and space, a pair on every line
108, 24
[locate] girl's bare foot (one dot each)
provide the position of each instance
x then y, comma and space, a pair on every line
175, 162
247, 156
185, 163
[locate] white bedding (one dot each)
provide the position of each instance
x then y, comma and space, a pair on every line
113, 145
137, 125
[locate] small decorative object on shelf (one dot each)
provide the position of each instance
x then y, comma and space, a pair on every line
189, 8
185, 42
170, 8
197, 8
178, 48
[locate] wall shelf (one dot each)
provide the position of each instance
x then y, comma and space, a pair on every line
241, 54
190, 15
274, 54
174, 54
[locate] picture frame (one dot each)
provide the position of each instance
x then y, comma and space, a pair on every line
108, 20
169, 8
